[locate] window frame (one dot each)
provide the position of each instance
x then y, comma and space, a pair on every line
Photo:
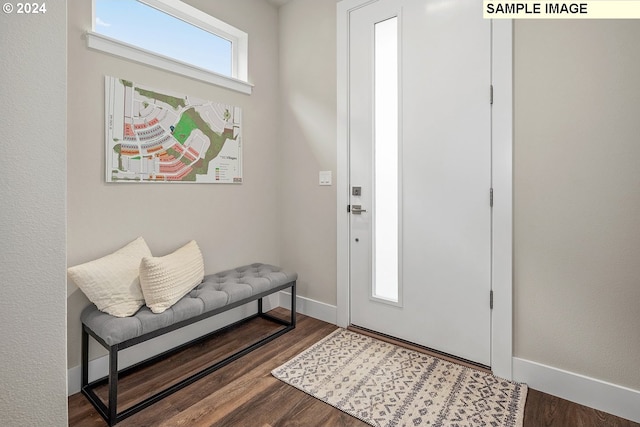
189, 14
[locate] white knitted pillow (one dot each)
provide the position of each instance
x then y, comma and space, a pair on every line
112, 282
166, 279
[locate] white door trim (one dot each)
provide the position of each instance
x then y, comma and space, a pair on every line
502, 230
502, 159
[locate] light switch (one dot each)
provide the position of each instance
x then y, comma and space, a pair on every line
325, 178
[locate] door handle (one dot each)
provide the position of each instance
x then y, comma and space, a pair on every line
357, 209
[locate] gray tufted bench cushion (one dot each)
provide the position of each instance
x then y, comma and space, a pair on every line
215, 291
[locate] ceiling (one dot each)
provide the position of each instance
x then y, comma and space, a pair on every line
278, 3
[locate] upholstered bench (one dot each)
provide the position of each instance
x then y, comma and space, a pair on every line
217, 293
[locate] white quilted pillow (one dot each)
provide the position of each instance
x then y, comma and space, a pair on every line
112, 282
166, 279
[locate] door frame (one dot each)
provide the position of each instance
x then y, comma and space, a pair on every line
502, 183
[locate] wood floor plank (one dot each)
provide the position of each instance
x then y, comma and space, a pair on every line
544, 410
244, 393
210, 410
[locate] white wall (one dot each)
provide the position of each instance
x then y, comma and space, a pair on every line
233, 224
577, 197
32, 189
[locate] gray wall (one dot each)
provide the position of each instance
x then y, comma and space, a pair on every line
33, 118
577, 197
233, 224
308, 138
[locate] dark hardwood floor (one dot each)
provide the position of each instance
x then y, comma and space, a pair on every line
244, 393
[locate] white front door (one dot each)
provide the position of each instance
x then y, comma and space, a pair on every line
420, 173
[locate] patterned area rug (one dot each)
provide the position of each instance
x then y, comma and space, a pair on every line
386, 385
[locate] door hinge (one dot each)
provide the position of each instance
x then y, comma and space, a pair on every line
491, 94
491, 299
348, 208
491, 197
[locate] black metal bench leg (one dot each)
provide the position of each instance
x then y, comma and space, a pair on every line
113, 385
259, 306
293, 304
85, 358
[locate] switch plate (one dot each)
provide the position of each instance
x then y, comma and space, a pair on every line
324, 177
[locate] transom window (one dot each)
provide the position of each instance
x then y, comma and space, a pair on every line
172, 35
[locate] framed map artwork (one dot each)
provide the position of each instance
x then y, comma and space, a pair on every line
157, 136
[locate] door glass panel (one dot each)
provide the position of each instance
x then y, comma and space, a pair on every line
385, 251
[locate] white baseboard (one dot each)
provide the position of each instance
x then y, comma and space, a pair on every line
309, 307
99, 367
603, 396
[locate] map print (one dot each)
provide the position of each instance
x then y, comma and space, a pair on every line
155, 136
